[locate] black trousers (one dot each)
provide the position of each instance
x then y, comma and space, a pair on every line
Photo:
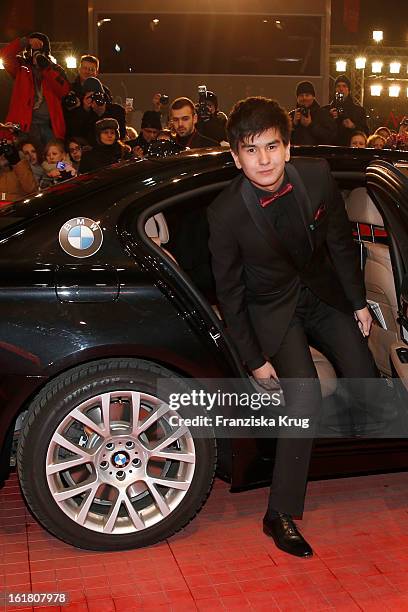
337, 335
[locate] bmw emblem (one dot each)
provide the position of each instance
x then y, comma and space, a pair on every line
80, 237
120, 460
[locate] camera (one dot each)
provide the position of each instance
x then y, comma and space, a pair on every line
61, 165
338, 102
202, 108
6, 147
304, 111
163, 148
71, 100
98, 97
41, 60
164, 100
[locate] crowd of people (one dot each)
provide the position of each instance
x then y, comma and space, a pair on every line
62, 128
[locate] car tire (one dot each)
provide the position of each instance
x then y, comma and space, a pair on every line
91, 408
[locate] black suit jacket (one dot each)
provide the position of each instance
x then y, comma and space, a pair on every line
258, 280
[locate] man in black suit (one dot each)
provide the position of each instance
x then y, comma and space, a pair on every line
287, 271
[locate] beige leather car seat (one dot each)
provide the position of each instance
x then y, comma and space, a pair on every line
378, 277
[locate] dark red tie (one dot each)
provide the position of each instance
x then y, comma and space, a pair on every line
278, 194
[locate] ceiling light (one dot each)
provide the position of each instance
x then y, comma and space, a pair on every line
376, 66
394, 91
360, 63
341, 66
376, 90
378, 35
395, 67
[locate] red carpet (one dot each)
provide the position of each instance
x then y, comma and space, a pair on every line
358, 528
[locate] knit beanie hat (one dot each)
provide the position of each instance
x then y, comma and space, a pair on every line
305, 87
92, 84
342, 78
151, 119
109, 123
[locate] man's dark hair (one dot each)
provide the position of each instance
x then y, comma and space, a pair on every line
253, 116
90, 58
181, 102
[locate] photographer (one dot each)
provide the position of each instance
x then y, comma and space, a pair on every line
183, 118
211, 122
88, 67
39, 86
349, 116
16, 177
149, 130
94, 107
311, 125
108, 150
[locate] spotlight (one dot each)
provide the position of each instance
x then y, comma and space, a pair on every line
117, 48
1, 64
156, 21
71, 61
360, 63
378, 35
376, 66
376, 90
341, 66
394, 91
395, 67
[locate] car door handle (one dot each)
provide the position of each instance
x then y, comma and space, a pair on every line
86, 283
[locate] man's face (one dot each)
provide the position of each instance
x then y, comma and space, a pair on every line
262, 159
342, 88
211, 108
305, 99
87, 69
149, 134
30, 153
99, 109
183, 120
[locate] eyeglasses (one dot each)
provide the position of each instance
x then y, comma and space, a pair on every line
74, 149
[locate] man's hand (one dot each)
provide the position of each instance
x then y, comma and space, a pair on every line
266, 376
156, 102
296, 117
333, 112
348, 124
35, 43
306, 120
138, 151
87, 101
364, 320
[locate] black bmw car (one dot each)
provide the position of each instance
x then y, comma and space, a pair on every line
106, 289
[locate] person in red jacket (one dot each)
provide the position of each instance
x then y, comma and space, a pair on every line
38, 89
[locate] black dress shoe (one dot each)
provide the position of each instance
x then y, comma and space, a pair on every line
286, 535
